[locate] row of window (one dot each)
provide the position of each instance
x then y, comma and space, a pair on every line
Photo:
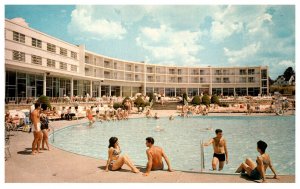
20, 56
38, 43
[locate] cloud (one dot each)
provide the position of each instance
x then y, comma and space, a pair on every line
83, 22
287, 63
167, 46
238, 55
20, 21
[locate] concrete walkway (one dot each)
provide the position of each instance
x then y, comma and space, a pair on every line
57, 166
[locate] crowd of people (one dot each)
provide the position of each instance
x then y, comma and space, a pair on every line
39, 114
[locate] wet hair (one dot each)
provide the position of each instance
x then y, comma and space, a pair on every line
36, 105
112, 142
262, 146
44, 106
218, 131
150, 140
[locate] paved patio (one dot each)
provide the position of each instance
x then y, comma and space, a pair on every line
57, 166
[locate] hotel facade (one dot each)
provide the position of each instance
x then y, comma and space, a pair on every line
38, 64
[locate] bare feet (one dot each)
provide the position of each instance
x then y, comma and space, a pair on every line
136, 170
239, 170
33, 153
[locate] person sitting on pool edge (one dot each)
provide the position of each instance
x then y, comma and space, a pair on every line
220, 150
115, 161
155, 155
257, 172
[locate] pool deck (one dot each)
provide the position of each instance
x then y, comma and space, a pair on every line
59, 166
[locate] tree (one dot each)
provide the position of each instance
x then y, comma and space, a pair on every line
215, 99
288, 73
196, 100
271, 81
151, 97
139, 102
44, 100
205, 100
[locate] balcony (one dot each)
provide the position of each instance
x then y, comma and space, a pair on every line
203, 72
106, 76
150, 80
218, 73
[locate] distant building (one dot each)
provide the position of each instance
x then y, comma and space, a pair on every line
282, 81
39, 64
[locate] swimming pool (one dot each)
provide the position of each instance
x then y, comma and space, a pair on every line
181, 139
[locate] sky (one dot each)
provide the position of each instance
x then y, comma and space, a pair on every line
184, 35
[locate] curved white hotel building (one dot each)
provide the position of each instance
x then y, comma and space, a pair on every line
37, 64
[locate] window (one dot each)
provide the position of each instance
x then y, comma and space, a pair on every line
218, 80
74, 55
63, 66
149, 70
86, 59
50, 63
36, 43
264, 83
36, 59
251, 80
243, 72
251, 72
51, 47
243, 79
264, 74
19, 56
171, 71
226, 80
106, 64
18, 37
218, 72
73, 68
63, 51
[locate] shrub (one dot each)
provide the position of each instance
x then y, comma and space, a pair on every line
215, 99
44, 100
205, 100
139, 102
126, 98
151, 96
117, 105
196, 100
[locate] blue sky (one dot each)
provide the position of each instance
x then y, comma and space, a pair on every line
196, 35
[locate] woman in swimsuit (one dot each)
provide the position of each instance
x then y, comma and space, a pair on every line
115, 160
257, 172
90, 117
44, 126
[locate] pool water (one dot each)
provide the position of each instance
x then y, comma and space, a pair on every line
181, 138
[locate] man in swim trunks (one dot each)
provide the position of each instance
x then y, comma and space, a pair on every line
155, 155
36, 128
220, 150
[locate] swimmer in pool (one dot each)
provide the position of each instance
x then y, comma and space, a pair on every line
220, 150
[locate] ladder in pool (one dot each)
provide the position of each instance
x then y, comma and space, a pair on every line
202, 160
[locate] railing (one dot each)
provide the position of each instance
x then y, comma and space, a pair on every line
53, 100
202, 160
